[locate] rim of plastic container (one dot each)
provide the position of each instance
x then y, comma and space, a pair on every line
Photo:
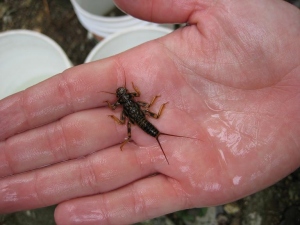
124, 31
98, 17
40, 36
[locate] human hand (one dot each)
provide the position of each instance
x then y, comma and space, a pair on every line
232, 80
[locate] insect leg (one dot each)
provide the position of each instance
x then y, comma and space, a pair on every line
120, 121
148, 105
137, 92
154, 115
112, 106
128, 135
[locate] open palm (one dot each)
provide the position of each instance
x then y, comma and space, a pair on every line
232, 82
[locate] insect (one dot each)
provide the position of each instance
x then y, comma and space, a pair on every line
136, 112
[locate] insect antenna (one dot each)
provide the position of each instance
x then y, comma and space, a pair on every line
107, 92
162, 149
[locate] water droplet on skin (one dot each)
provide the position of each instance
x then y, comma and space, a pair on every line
236, 180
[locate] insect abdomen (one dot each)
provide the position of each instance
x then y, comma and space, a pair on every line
148, 127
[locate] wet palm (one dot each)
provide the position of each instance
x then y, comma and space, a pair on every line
232, 80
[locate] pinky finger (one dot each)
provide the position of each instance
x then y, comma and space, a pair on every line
144, 199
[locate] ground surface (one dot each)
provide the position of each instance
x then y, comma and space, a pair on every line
279, 204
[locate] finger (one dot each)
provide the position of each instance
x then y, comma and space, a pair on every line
99, 172
75, 89
73, 136
167, 11
80, 88
76, 135
141, 200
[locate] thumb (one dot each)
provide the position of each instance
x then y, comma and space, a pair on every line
166, 11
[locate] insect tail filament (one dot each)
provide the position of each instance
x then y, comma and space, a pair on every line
162, 149
173, 135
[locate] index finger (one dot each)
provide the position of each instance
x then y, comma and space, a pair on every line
73, 90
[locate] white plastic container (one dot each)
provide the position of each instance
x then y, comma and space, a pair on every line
26, 58
91, 15
124, 40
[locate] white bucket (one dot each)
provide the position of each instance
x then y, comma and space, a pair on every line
91, 15
28, 57
124, 40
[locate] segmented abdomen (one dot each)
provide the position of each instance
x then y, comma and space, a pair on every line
148, 127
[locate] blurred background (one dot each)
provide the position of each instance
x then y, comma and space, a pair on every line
277, 205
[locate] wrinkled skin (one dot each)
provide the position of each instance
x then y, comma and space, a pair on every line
232, 80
